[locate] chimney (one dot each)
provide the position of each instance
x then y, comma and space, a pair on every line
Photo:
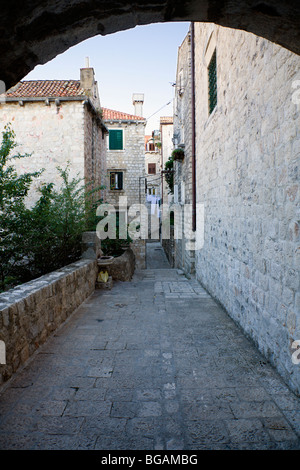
138, 101
87, 79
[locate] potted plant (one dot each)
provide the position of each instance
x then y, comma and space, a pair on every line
178, 154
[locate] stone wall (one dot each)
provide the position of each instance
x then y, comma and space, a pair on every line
166, 130
29, 313
247, 171
139, 249
95, 152
36, 35
55, 135
122, 267
52, 135
184, 258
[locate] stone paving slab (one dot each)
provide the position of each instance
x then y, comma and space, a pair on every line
153, 364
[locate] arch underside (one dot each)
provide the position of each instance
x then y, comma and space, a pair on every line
36, 31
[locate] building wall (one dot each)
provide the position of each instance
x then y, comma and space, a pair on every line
31, 312
247, 170
153, 181
184, 257
95, 170
130, 160
53, 136
166, 130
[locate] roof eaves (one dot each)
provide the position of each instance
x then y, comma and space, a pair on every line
45, 98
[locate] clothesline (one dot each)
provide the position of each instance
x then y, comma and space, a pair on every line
155, 202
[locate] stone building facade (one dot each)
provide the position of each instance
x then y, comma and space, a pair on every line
58, 121
153, 166
183, 256
247, 160
166, 132
125, 156
126, 168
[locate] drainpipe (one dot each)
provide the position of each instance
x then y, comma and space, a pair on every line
193, 128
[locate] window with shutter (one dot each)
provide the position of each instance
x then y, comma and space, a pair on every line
116, 180
115, 139
151, 168
212, 83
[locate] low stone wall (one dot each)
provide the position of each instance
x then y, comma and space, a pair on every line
139, 249
122, 267
29, 313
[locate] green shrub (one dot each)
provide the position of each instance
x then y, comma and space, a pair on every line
47, 236
13, 213
169, 176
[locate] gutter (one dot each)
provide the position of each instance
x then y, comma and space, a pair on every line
130, 121
193, 128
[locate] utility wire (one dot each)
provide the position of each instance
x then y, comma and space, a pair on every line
154, 179
147, 119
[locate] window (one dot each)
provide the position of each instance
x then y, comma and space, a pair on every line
115, 139
151, 168
151, 147
212, 83
116, 180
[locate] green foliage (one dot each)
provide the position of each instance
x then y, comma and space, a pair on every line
178, 154
13, 190
56, 223
169, 176
47, 236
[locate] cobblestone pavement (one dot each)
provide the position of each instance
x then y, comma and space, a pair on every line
154, 363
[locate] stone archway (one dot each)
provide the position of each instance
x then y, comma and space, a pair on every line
36, 31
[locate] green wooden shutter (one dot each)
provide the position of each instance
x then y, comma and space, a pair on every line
116, 139
212, 83
112, 181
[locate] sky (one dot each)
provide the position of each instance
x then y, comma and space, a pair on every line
139, 60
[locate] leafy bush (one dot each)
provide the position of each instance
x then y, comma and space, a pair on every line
56, 223
13, 213
46, 237
178, 154
169, 175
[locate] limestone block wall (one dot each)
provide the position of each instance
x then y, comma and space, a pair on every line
122, 267
247, 178
95, 153
32, 311
130, 160
53, 135
184, 258
138, 247
166, 130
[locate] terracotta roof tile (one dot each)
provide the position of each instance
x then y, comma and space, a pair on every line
112, 115
46, 88
166, 120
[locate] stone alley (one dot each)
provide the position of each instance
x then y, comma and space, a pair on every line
153, 364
